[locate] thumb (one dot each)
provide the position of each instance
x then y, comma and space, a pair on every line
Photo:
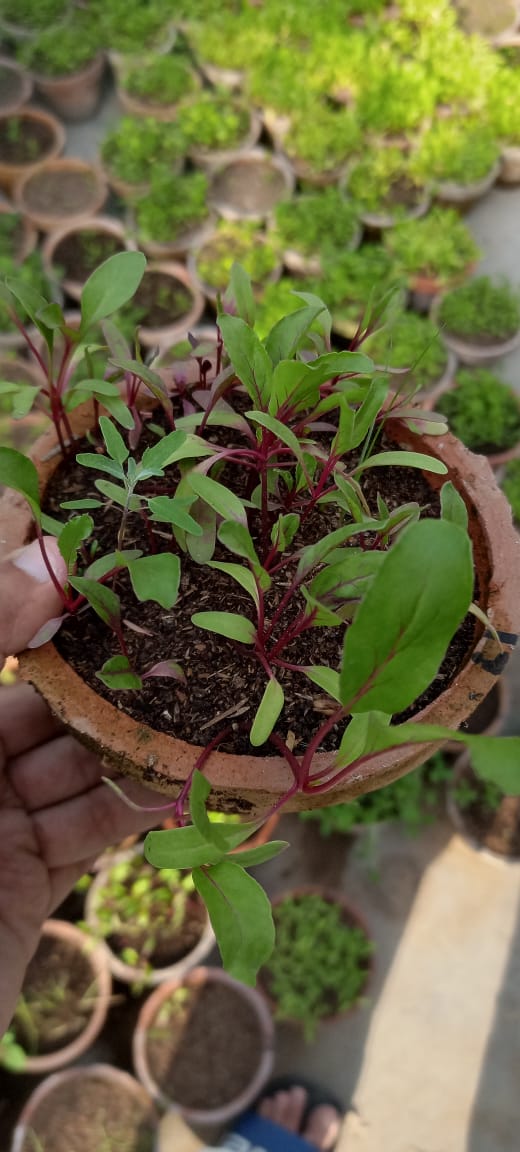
28, 596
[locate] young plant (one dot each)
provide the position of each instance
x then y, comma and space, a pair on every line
242, 242
397, 94
439, 246
159, 79
411, 344
324, 139
482, 410
486, 309
461, 150
173, 206
129, 26
214, 120
136, 147
323, 222
30, 274
383, 183
52, 55
503, 104
34, 14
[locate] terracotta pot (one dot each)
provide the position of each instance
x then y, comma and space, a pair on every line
28, 1120
381, 221
208, 290
231, 78
177, 330
15, 86
95, 956
491, 846
44, 197
11, 173
496, 459
197, 979
424, 288
251, 185
464, 195
180, 244
489, 716
510, 163
351, 917
135, 106
210, 161
251, 784
129, 973
303, 171
28, 236
75, 96
475, 355
103, 225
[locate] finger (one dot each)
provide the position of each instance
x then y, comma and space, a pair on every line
27, 595
57, 771
25, 720
85, 825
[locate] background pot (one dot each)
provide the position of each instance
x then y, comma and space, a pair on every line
102, 225
179, 244
251, 185
464, 195
96, 958
60, 190
65, 1082
15, 86
381, 221
473, 354
210, 160
423, 288
208, 290
127, 972
178, 329
510, 163
496, 459
11, 173
493, 842
197, 979
76, 96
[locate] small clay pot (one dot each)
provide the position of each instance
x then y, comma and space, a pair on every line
178, 329
510, 162
197, 978
251, 185
12, 172
300, 265
424, 288
473, 354
464, 195
103, 225
382, 221
210, 161
135, 106
208, 290
179, 245
75, 96
60, 190
15, 86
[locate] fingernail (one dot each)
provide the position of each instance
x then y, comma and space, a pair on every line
30, 560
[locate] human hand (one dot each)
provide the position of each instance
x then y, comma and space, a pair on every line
56, 815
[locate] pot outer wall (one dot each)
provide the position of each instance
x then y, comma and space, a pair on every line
252, 784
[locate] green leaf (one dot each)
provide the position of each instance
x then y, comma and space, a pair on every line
403, 460
241, 292
238, 539
19, 473
110, 286
248, 357
159, 455
223, 502
243, 576
267, 713
101, 463
241, 917
453, 507
199, 792
402, 629
118, 494
315, 554
284, 531
117, 673
111, 560
186, 848
367, 412
201, 547
104, 602
250, 857
114, 442
22, 397
364, 734
79, 504
31, 302
156, 578
229, 624
172, 510
287, 334
325, 678
72, 536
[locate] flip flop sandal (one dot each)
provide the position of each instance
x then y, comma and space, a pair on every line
254, 1133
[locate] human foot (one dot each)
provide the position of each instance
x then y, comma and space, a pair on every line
287, 1108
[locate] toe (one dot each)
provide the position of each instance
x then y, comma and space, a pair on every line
322, 1127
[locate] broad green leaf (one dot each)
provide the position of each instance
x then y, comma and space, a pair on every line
114, 442
201, 547
284, 531
221, 499
111, 560
51, 316
186, 848
367, 412
117, 343
152, 379
453, 507
243, 576
110, 286
31, 302
324, 318
118, 674
101, 463
229, 624
172, 510
104, 602
119, 411
348, 578
199, 792
72, 536
190, 448
81, 504
364, 734
241, 293
325, 678
251, 857
159, 455
248, 357
404, 625
156, 578
315, 554
322, 615
238, 539
241, 917
403, 460
342, 441
118, 494
287, 334
18, 472
267, 713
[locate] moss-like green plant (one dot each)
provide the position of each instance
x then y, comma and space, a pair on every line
383, 182
352, 280
457, 149
34, 14
52, 54
320, 961
228, 39
160, 79
511, 486
278, 300
317, 222
133, 26
460, 67
242, 243
136, 147
482, 411
323, 139
397, 94
411, 342
482, 308
214, 120
503, 105
440, 245
173, 206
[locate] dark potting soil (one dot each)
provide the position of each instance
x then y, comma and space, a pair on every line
205, 1051
91, 1114
60, 192
79, 254
495, 828
23, 140
162, 299
254, 186
223, 690
58, 990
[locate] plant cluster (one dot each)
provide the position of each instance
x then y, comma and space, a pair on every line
503, 105
242, 242
511, 487
50, 54
214, 120
173, 206
440, 245
483, 411
383, 181
34, 14
483, 308
457, 149
323, 139
159, 79
410, 342
320, 222
137, 147
133, 26
320, 962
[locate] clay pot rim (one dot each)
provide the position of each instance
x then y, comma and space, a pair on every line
169, 334
444, 382
200, 976
256, 781
208, 290
107, 225
71, 934
126, 972
87, 70
56, 147
457, 192
212, 158
456, 817
431, 285
26, 86
45, 221
96, 1071
495, 726
274, 160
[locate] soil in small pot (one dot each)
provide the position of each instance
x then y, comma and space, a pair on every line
249, 187
91, 1114
160, 301
78, 254
204, 1046
489, 817
60, 192
24, 140
56, 1000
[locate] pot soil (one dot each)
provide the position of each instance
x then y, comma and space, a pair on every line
251, 783
71, 254
76, 96
204, 1045
87, 1109
494, 828
251, 185
167, 305
26, 140
15, 86
65, 998
60, 190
